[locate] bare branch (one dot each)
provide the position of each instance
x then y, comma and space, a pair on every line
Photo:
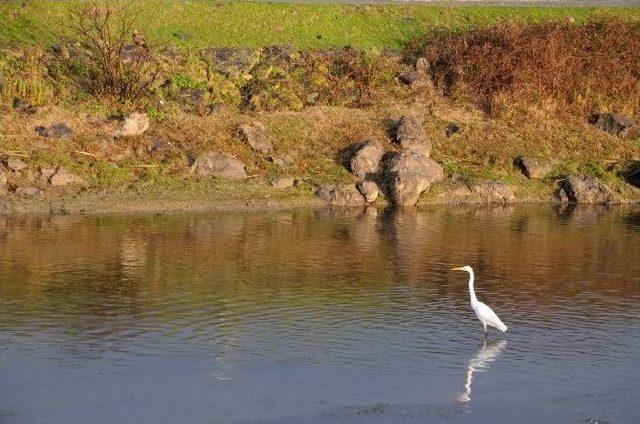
123, 68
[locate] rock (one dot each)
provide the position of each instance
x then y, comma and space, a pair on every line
409, 77
615, 124
192, 96
219, 165
281, 56
256, 136
216, 108
159, 145
313, 98
15, 164
134, 125
585, 189
134, 53
47, 173
533, 167
21, 106
369, 190
283, 161
632, 173
452, 129
27, 192
62, 177
276, 161
342, 195
408, 175
392, 55
61, 51
231, 62
412, 136
57, 130
490, 191
422, 65
282, 182
366, 160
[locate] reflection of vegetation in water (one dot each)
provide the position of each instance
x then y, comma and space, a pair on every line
243, 264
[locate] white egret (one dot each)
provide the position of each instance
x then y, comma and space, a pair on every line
484, 313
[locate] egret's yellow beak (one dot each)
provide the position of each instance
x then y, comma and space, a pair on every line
460, 268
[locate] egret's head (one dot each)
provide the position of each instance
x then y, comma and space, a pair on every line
462, 268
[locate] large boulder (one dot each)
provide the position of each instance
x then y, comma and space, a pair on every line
255, 135
585, 189
490, 191
412, 137
341, 195
219, 165
408, 175
616, 125
533, 168
134, 125
366, 160
230, 61
62, 177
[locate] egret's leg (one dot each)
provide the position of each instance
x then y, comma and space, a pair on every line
485, 331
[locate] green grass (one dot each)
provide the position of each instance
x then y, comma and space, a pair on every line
199, 23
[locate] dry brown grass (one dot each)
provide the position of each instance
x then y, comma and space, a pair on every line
580, 68
314, 137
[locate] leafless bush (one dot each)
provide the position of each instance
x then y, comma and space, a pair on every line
578, 67
124, 64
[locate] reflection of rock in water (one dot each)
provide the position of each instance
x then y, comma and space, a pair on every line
632, 221
582, 215
480, 362
133, 256
365, 236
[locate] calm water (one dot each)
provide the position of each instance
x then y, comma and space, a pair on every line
321, 317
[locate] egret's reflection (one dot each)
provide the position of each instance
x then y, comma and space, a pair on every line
487, 353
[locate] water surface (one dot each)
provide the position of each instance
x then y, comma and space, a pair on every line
345, 316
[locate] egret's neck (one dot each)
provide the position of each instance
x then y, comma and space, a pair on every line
472, 292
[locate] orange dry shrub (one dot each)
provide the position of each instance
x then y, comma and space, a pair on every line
574, 67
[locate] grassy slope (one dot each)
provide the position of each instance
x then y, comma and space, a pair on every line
314, 136
200, 23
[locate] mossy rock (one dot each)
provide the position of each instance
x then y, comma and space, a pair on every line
229, 61
224, 90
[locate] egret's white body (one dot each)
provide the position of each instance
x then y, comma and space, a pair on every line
484, 313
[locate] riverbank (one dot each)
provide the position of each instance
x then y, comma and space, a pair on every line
439, 120
155, 174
